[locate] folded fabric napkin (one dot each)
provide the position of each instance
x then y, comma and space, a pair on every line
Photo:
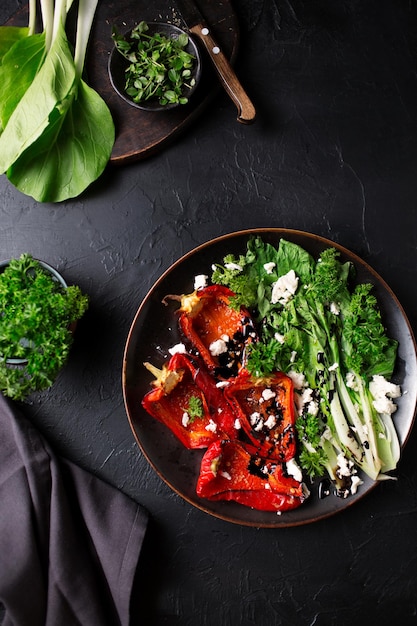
69, 543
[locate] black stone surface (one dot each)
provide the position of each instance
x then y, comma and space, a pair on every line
333, 152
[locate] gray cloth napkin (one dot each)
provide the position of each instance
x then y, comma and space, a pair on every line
69, 543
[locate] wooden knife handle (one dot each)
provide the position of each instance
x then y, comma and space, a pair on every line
246, 110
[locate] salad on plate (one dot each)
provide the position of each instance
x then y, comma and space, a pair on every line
282, 378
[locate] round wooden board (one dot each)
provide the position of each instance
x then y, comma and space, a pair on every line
140, 134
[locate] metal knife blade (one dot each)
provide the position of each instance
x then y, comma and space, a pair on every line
198, 26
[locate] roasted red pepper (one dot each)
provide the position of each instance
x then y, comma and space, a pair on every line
265, 408
216, 330
230, 472
185, 398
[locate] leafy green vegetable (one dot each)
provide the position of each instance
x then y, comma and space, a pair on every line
36, 313
51, 88
57, 133
160, 67
327, 333
26, 57
366, 347
57, 163
9, 35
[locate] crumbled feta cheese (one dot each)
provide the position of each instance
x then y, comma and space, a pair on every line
185, 419
254, 417
298, 379
345, 467
313, 408
237, 424
279, 338
256, 421
211, 426
200, 281
355, 482
381, 386
233, 266
218, 347
270, 422
334, 308
269, 267
333, 367
294, 470
284, 288
268, 394
384, 405
307, 395
179, 348
303, 398
351, 381
293, 356
383, 392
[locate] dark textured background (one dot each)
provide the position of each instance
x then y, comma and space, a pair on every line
334, 152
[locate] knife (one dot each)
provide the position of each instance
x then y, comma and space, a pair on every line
197, 25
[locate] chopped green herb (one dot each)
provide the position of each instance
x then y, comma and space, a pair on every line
160, 67
195, 408
262, 357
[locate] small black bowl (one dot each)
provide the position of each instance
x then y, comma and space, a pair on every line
118, 64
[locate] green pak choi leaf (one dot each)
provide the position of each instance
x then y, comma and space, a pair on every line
9, 35
294, 257
25, 58
58, 133
48, 91
70, 153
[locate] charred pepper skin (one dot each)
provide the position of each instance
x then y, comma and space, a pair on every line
254, 433
206, 317
230, 472
265, 409
179, 380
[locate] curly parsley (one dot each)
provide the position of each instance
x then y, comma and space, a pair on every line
36, 312
195, 408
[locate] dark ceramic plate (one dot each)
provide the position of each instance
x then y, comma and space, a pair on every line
154, 331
